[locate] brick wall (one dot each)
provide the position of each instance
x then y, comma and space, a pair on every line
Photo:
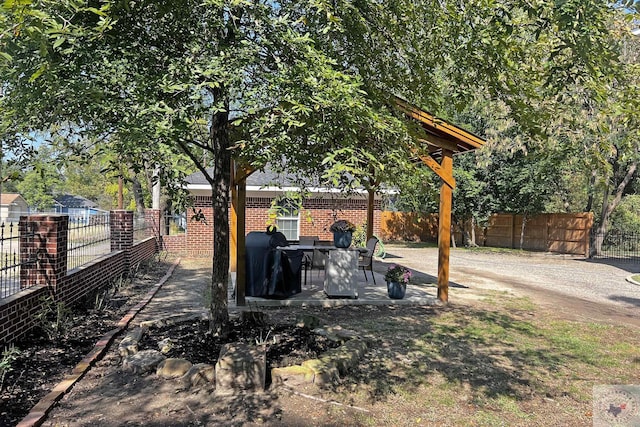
316, 217
49, 273
175, 244
18, 311
91, 277
143, 250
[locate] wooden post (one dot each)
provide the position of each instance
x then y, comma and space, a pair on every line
444, 228
238, 228
233, 232
240, 239
370, 205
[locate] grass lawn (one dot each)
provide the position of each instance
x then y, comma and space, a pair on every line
501, 361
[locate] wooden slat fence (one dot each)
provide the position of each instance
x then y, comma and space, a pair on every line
562, 233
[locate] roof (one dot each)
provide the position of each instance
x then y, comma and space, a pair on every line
69, 201
440, 134
8, 198
256, 179
267, 180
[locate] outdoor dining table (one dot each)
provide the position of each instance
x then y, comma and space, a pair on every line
341, 268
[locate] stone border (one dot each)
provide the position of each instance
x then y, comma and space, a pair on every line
241, 367
39, 412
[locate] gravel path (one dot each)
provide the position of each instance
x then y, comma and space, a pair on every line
550, 275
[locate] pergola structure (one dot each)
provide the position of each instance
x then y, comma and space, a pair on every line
441, 141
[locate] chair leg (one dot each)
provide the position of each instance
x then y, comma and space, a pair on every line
305, 276
373, 275
365, 274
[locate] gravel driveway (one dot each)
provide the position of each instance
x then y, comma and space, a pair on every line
548, 276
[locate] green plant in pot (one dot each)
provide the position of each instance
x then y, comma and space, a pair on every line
397, 278
342, 233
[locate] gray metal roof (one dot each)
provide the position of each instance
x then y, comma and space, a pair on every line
69, 201
257, 178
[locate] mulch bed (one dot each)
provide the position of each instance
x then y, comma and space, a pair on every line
50, 351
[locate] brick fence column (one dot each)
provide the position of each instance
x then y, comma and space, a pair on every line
43, 250
153, 222
121, 223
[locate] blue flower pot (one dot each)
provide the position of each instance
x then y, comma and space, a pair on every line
396, 290
342, 239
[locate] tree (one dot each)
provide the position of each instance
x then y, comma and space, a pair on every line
227, 78
261, 81
41, 182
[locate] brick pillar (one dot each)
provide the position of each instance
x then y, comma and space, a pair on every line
154, 224
121, 223
43, 250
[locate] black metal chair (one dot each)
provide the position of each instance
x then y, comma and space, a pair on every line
319, 257
366, 260
307, 259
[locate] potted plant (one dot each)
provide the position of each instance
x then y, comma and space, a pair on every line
397, 278
342, 233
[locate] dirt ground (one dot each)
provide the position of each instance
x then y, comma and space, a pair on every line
107, 396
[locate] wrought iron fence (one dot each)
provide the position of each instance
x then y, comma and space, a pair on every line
175, 223
616, 244
89, 238
11, 260
141, 228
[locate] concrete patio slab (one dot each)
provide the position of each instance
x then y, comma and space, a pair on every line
368, 294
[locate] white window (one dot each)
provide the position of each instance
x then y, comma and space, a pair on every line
288, 219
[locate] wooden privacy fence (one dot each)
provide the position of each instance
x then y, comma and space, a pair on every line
562, 233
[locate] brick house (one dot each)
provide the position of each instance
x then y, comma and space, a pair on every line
319, 208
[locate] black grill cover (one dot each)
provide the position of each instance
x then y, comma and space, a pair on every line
271, 272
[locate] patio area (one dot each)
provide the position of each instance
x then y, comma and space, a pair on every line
422, 291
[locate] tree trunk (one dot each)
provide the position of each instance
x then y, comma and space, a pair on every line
155, 189
137, 193
524, 224
608, 208
453, 236
472, 233
592, 184
219, 134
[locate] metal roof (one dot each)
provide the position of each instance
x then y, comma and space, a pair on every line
69, 201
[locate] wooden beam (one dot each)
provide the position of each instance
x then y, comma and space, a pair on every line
241, 276
233, 232
470, 140
444, 229
370, 204
440, 171
237, 250
433, 140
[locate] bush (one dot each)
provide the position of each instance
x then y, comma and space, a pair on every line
626, 218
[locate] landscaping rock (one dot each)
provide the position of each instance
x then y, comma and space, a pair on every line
199, 374
129, 344
173, 368
165, 345
307, 321
240, 368
292, 376
325, 371
142, 362
347, 356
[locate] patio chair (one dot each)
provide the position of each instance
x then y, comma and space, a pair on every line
366, 260
306, 260
318, 258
